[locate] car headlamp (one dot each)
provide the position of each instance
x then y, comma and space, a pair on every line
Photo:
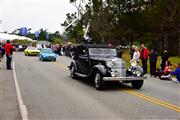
138, 73
109, 63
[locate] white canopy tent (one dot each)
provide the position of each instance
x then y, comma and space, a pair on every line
4, 37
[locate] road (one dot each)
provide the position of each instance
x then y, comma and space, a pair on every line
49, 93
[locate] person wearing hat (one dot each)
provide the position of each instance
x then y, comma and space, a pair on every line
164, 58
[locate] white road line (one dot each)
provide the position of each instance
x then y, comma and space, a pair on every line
1, 89
22, 107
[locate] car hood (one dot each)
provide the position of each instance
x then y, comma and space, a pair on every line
33, 50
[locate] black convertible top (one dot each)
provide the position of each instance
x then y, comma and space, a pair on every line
93, 46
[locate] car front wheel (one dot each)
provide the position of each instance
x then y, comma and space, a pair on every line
41, 58
99, 83
137, 84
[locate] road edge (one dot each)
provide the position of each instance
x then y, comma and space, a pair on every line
23, 109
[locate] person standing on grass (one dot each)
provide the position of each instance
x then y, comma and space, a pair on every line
144, 54
132, 50
136, 55
8, 51
153, 61
164, 58
119, 51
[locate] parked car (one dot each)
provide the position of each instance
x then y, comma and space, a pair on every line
47, 54
101, 64
31, 51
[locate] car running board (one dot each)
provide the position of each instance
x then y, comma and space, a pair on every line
81, 75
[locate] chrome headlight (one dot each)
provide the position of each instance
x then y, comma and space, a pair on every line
109, 63
138, 73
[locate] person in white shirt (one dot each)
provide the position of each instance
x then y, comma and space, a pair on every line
136, 55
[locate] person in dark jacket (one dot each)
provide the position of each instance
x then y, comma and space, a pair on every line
144, 54
153, 61
119, 51
177, 74
2, 51
132, 50
164, 58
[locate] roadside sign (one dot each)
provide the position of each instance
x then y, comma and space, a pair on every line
47, 36
37, 34
24, 31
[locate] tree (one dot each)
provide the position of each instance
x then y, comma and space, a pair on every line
42, 34
75, 30
154, 22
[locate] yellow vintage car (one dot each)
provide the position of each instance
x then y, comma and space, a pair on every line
31, 51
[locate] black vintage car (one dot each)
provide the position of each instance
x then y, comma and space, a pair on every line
101, 64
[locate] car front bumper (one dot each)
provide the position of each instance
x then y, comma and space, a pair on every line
33, 53
123, 78
49, 57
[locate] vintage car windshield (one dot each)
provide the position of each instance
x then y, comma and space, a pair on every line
47, 51
102, 52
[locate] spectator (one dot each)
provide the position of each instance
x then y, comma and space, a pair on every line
164, 58
144, 54
177, 74
167, 71
136, 55
20, 48
119, 51
2, 52
8, 50
132, 50
153, 61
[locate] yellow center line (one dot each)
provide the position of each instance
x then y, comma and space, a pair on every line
142, 96
154, 100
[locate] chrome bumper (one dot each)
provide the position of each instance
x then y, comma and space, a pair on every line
123, 78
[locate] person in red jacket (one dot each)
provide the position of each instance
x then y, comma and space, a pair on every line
8, 51
144, 54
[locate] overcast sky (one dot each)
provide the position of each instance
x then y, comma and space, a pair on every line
35, 14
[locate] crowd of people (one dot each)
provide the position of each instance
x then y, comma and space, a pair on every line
165, 72
141, 54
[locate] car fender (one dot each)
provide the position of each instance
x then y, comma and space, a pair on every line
100, 68
73, 63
